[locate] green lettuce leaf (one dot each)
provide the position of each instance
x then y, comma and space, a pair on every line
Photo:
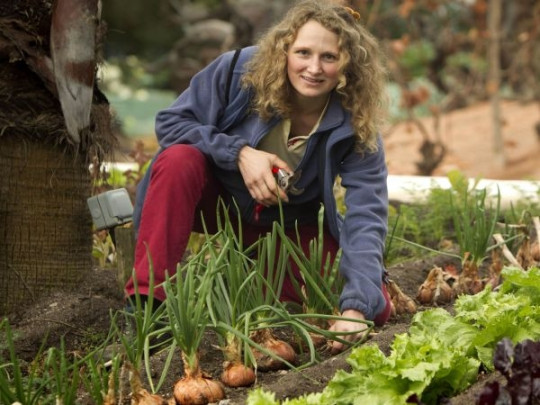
441, 354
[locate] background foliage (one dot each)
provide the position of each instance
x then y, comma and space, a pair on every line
437, 50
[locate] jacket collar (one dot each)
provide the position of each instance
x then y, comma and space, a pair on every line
337, 119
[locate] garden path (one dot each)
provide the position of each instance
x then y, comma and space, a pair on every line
468, 136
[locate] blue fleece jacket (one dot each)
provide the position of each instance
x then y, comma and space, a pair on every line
219, 125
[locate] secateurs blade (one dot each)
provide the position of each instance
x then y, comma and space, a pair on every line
286, 181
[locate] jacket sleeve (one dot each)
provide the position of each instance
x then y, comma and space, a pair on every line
363, 232
194, 118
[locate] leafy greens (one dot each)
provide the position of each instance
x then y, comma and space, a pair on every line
440, 355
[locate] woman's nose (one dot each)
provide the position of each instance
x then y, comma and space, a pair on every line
315, 65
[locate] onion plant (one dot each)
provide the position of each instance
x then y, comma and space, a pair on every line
520, 238
101, 383
267, 313
535, 247
527, 253
474, 225
250, 290
142, 324
17, 384
227, 302
64, 375
188, 315
401, 302
321, 285
397, 227
54, 377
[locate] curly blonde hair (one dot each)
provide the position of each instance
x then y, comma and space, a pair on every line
362, 73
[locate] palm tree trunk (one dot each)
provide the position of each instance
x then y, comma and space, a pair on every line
45, 225
45, 228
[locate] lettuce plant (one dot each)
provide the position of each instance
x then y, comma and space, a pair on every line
441, 354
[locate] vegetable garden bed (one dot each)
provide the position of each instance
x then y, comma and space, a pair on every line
81, 318
70, 324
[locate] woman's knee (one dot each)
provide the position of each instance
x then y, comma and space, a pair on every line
180, 158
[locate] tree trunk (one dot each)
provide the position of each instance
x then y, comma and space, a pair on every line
45, 227
45, 224
494, 78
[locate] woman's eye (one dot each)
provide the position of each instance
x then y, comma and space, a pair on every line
330, 57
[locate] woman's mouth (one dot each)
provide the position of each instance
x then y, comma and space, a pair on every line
313, 80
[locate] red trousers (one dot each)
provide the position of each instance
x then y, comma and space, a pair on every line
182, 187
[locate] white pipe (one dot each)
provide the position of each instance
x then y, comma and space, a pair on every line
414, 189
410, 189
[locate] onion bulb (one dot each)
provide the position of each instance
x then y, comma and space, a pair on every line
236, 374
139, 396
143, 397
468, 282
495, 268
401, 302
318, 340
198, 390
524, 255
535, 246
535, 251
283, 350
110, 397
435, 289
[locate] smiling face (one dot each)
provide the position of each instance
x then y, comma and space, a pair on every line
313, 63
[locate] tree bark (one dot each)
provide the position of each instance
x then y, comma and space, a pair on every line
45, 228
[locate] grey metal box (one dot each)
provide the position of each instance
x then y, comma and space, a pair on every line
111, 208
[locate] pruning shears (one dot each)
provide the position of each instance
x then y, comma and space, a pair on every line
286, 181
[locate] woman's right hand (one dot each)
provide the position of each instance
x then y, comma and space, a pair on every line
256, 169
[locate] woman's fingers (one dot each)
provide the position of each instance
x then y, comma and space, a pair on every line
346, 327
256, 169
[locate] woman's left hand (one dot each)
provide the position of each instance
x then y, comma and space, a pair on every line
343, 325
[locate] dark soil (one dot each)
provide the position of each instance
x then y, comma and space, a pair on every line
81, 318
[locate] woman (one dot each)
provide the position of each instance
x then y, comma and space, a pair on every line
307, 100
